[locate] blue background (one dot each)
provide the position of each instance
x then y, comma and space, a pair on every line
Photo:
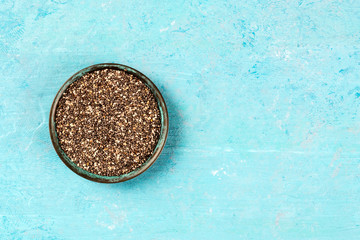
263, 98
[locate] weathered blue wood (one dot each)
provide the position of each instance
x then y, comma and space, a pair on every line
263, 98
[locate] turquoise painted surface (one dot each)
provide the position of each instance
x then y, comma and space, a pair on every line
264, 101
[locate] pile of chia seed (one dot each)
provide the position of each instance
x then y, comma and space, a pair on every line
108, 122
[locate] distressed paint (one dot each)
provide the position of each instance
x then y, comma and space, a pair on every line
263, 99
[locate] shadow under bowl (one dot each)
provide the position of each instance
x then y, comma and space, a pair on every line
163, 133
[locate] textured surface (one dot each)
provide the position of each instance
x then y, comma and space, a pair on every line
263, 99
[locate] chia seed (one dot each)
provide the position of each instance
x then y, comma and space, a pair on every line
108, 122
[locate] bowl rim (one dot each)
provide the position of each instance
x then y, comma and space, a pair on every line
163, 133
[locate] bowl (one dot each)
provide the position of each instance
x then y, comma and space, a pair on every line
163, 133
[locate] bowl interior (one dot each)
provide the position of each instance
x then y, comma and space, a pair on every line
163, 133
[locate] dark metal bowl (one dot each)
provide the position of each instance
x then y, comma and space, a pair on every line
163, 134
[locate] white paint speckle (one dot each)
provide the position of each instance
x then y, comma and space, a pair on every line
173, 23
30, 201
210, 210
215, 172
336, 156
164, 29
111, 227
37, 128
336, 171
